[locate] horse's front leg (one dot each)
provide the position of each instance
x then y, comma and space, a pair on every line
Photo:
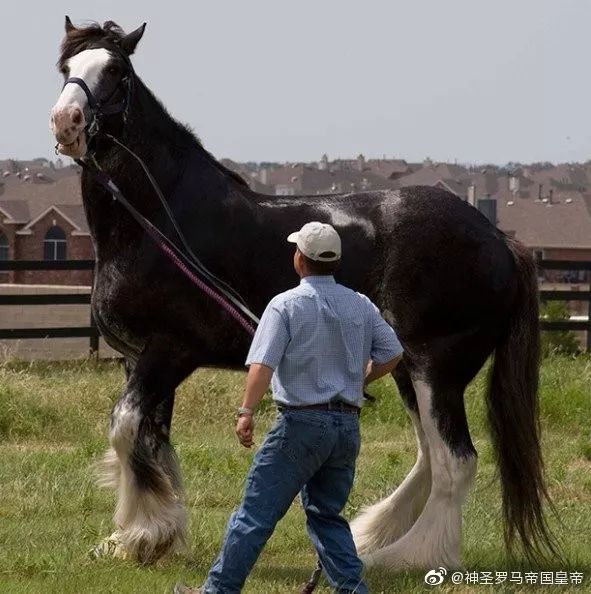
141, 464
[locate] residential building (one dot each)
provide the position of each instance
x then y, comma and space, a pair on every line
42, 218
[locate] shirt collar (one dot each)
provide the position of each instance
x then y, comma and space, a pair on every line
316, 281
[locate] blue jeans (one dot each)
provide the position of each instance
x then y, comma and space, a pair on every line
307, 451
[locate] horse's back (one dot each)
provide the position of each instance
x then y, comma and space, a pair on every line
448, 266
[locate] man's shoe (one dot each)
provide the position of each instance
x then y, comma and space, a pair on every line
182, 589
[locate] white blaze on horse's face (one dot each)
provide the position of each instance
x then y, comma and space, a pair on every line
69, 115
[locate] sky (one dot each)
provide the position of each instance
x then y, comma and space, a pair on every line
271, 80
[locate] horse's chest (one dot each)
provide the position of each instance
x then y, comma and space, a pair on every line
121, 306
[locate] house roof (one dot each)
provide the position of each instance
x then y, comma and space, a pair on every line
73, 213
17, 211
427, 176
387, 167
34, 196
565, 176
246, 174
310, 180
565, 223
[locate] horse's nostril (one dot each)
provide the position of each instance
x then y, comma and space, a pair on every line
77, 117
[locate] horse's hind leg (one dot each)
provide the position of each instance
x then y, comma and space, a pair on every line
435, 538
386, 521
150, 512
448, 364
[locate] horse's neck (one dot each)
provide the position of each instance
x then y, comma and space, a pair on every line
174, 158
165, 147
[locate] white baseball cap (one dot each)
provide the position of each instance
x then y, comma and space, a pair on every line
318, 241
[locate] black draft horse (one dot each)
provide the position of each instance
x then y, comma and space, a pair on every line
455, 288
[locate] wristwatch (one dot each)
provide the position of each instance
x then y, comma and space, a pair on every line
244, 411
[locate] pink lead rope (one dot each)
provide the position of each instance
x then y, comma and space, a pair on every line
168, 248
228, 307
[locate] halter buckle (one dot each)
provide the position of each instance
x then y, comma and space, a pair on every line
93, 128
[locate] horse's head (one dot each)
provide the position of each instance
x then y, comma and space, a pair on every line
98, 76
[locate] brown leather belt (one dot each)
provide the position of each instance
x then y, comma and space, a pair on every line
330, 406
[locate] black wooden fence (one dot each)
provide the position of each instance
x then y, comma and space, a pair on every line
92, 333
567, 295
89, 331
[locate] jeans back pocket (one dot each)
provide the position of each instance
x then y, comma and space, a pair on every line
304, 435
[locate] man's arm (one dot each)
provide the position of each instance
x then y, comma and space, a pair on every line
257, 382
266, 351
386, 350
377, 370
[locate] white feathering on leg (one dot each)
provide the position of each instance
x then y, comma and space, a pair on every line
435, 538
151, 521
386, 521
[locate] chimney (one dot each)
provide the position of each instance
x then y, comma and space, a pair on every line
472, 194
361, 162
488, 207
539, 191
551, 196
264, 175
514, 184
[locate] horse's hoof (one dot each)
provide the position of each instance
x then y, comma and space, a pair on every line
112, 547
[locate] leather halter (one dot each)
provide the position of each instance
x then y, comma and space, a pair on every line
99, 109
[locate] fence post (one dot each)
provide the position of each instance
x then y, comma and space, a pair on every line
94, 337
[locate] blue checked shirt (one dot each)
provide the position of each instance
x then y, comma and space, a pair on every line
318, 339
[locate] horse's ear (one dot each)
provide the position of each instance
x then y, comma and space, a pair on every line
69, 25
130, 41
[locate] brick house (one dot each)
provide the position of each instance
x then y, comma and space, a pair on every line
42, 218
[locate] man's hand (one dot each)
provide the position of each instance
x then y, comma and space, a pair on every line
245, 430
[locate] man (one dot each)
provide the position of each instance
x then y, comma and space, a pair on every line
319, 343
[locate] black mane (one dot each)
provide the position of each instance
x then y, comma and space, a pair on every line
108, 36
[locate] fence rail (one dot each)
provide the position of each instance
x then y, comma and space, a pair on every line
562, 295
91, 332
6, 265
46, 299
563, 265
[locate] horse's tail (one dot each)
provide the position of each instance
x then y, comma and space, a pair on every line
512, 401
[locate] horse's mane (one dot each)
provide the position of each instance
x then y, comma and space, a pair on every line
108, 35
84, 37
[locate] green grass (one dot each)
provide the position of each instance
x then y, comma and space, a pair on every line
53, 420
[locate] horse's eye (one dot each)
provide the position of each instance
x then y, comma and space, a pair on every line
64, 70
113, 70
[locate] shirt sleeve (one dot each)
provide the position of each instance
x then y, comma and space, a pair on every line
271, 338
385, 345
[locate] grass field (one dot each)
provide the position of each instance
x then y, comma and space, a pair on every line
53, 420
